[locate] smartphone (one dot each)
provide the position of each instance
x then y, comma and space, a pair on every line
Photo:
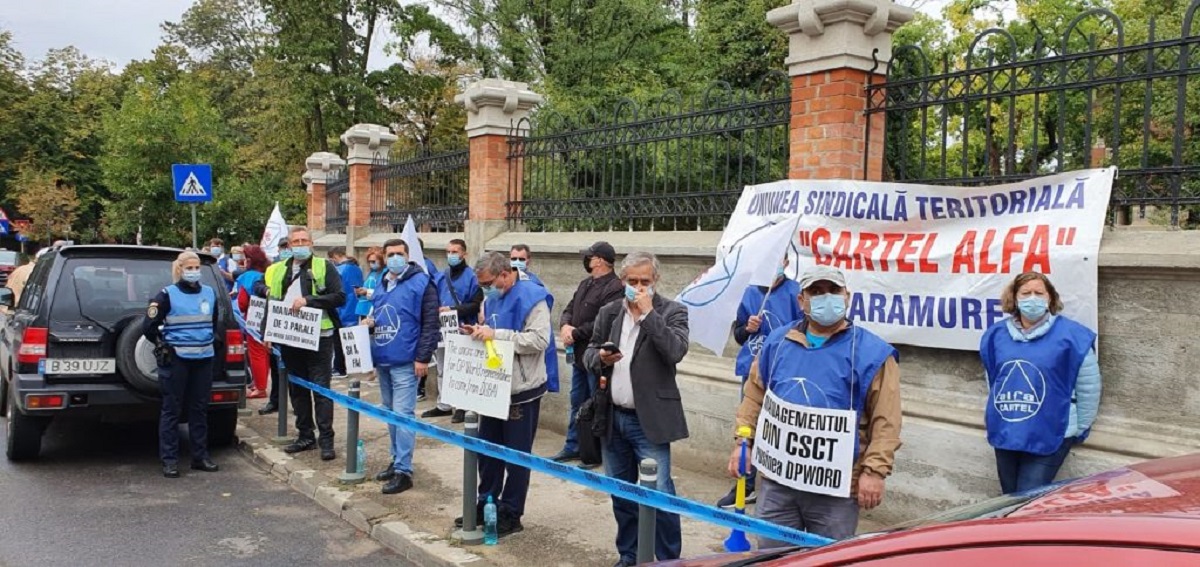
612, 348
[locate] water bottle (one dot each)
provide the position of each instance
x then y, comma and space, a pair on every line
489, 522
362, 457
570, 354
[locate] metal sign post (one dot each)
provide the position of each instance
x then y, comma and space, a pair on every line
194, 226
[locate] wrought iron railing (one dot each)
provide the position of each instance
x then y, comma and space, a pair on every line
337, 201
1021, 105
668, 165
431, 187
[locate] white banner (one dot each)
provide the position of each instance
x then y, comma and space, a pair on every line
808, 449
926, 264
413, 240
256, 312
275, 229
300, 329
470, 384
356, 347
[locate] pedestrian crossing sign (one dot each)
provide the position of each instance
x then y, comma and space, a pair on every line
193, 182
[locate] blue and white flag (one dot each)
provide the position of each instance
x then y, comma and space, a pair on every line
413, 240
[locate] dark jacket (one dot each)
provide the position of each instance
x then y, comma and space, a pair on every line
330, 301
160, 307
431, 327
580, 312
661, 344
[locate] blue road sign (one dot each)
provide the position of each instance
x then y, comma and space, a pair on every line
193, 182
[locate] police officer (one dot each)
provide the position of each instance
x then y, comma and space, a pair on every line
308, 282
186, 311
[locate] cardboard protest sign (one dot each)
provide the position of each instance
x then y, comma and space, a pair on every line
470, 385
356, 346
299, 329
805, 448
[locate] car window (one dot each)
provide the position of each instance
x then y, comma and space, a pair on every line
106, 290
8, 258
31, 296
1041, 556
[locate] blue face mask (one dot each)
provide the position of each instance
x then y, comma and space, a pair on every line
191, 276
453, 259
238, 257
518, 264
396, 264
1033, 307
285, 254
780, 272
630, 292
301, 253
374, 266
216, 250
826, 310
490, 292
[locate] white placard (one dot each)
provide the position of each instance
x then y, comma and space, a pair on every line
256, 312
356, 346
808, 449
470, 385
449, 323
300, 329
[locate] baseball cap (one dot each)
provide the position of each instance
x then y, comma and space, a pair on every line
603, 250
816, 274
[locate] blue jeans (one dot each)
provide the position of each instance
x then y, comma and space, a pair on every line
583, 386
1020, 471
398, 388
624, 448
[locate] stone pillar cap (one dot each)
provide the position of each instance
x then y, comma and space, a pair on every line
320, 167
838, 34
494, 106
367, 142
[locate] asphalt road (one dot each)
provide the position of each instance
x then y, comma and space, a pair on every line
97, 497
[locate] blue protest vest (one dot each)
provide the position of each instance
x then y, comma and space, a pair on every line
464, 287
247, 280
782, 308
552, 350
188, 327
397, 316
510, 310
1031, 383
371, 281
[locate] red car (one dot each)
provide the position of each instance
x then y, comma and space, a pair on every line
1146, 514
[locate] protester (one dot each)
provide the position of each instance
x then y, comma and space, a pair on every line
285, 253
519, 256
216, 247
516, 311
844, 367
404, 331
186, 311
519, 260
600, 288
375, 270
432, 270
458, 290
256, 350
237, 261
352, 279
306, 281
761, 311
637, 343
1032, 440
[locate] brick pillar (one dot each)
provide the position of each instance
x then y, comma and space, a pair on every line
494, 108
318, 168
366, 143
830, 47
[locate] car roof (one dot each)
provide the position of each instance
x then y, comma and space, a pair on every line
127, 251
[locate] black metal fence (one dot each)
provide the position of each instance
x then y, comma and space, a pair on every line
432, 187
671, 164
1023, 105
337, 201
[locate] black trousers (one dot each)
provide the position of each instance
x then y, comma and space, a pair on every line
186, 383
508, 483
273, 395
316, 367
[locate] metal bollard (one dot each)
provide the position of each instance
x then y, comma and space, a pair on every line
352, 476
282, 402
648, 478
470, 534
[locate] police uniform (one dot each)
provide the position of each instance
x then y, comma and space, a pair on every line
187, 315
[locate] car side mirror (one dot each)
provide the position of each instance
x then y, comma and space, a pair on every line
7, 297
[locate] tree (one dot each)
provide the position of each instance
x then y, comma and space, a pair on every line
48, 200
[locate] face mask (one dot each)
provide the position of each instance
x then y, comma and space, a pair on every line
453, 259
302, 253
630, 292
374, 266
490, 292
238, 257
518, 264
780, 272
285, 254
191, 276
827, 309
587, 264
1033, 307
216, 250
396, 264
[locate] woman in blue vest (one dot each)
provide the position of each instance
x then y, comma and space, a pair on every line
375, 267
1043, 381
181, 319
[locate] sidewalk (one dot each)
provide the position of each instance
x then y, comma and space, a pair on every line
565, 525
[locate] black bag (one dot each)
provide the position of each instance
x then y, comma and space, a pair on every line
163, 354
589, 442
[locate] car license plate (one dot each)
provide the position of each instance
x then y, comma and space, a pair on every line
81, 366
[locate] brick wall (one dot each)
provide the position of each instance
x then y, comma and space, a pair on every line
489, 178
828, 127
360, 194
316, 206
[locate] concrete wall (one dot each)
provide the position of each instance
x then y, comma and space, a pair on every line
1149, 302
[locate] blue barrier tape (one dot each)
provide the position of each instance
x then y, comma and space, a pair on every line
616, 487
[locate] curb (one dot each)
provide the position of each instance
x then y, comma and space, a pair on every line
421, 548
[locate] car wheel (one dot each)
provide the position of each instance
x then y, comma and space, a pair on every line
222, 426
135, 358
23, 434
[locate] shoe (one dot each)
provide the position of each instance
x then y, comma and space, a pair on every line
399, 483
205, 465
301, 445
339, 377
170, 470
328, 454
507, 525
268, 409
459, 416
565, 455
254, 394
729, 501
386, 474
421, 396
458, 522
436, 412
589, 466
623, 563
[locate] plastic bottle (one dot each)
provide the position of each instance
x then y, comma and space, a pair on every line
362, 457
489, 522
570, 354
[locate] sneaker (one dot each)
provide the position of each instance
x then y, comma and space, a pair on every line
420, 396
729, 501
436, 412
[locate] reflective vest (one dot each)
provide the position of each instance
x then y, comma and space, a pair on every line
188, 327
782, 308
1030, 384
397, 316
281, 271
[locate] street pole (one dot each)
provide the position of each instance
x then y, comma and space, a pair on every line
194, 226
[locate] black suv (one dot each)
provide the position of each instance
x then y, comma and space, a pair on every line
74, 345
